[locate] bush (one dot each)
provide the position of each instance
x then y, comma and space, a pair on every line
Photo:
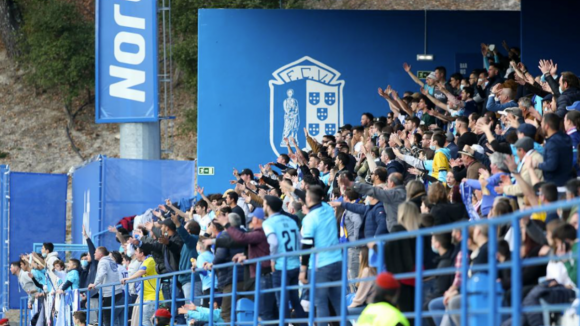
57, 47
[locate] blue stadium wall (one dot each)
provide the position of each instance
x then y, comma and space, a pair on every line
239, 50
549, 31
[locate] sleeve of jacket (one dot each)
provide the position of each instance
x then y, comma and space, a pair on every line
550, 159
355, 208
152, 245
368, 190
494, 106
513, 190
189, 240
553, 85
92, 248
221, 255
483, 159
356, 219
381, 220
101, 273
414, 162
271, 182
473, 184
227, 242
536, 89
305, 170
313, 144
246, 238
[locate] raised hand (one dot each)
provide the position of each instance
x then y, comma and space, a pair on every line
553, 68
382, 93
484, 49
511, 163
334, 204
544, 66
407, 67
483, 173
424, 91
305, 132
112, 229
235, 173
199, 190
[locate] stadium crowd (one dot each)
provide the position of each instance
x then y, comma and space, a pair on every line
501, 140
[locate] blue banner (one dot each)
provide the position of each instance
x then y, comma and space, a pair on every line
86, 191
126, 61
4, 262
37, 214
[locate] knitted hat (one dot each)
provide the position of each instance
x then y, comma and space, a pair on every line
387, 281
163, 313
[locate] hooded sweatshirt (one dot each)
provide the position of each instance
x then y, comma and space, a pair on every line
441, 164
107, 273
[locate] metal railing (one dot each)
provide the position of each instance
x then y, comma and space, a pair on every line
491, 268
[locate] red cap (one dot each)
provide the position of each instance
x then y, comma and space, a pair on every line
4, 321
163, 313
387, 281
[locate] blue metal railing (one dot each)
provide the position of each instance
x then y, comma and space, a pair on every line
491, 311
4, 227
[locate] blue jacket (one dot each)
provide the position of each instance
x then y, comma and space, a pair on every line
496, 106
188, 251
395, 166
454, 150
374, 219
225, 255
575, 136
557, 165
487, 200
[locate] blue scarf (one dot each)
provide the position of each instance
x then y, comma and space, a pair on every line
466, 195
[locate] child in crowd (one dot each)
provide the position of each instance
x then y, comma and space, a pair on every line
72, 278
194, 314
204, 256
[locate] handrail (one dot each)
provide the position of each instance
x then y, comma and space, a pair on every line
515, 264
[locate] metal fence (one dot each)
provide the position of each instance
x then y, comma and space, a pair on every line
490, 310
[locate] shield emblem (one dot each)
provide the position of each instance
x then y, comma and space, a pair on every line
297, 96
329, 98
314, 98
330, 128
322, 113
313, 129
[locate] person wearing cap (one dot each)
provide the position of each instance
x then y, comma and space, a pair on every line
471, 166
4, 322
529, 130
487, 182
525, 151
257, 245
283, 236
557, 165
430, 81
384, 312
162, 317
450, 144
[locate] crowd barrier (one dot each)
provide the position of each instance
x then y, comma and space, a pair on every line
490, 311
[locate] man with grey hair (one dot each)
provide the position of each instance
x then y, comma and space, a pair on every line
500, 99
489, 181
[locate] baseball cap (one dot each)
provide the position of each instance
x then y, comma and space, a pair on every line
248, 172
257, 213
525, 143
4, 321
574, 106
527, 129
477, 148
387, 281
163, 313
450, 136
515, 111
431, 75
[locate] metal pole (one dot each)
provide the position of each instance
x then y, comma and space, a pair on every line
113, 306
100, 306
283, 301
492, 254
192, 294
516, 275
126, 312
312, 280
234, 290
211, 297
381, 253
419, 279
464, 268
257, 292
141, 303
173, 298
344, 267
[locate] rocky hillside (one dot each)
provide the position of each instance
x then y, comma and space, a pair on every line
32, 128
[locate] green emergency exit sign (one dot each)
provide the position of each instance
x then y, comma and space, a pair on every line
205, 170
423, 74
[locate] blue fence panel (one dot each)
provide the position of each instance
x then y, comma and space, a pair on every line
132, 186
37, 214
4, 262
86, 192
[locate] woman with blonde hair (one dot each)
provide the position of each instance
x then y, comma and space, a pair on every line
366, 289
409, 216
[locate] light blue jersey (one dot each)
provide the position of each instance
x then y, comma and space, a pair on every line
288, 236
205, 257
73, 277
320, 224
